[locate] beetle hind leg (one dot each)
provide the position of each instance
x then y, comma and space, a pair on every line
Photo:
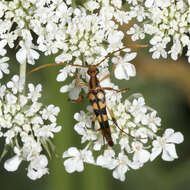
115, 122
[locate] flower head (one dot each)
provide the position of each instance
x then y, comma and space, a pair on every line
27, 126
134, 137
167, 21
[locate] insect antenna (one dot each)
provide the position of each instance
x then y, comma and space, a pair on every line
82, 66
54, 64
125, 47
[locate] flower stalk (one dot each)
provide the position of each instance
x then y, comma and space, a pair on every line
22, 78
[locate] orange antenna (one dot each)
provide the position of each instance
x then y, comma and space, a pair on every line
129, 46
54, 64
75, 65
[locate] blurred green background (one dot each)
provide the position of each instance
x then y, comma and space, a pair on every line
165, 86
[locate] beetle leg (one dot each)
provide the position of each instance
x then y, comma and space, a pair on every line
79, 99
104, 145
115, 122
77, 83
110, 74
93, 121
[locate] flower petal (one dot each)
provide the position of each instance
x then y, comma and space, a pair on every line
124, 71
155, 152
168, 133
12, 164
176, 138
166, 156
69, 165
21, 55
79, 166
144, 156
130, 56
149, 3
170, 148
73, 151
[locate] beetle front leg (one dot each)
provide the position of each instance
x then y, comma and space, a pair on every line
78, 83
78, 100
109, 75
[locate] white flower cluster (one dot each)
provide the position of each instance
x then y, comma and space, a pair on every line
132, 151
51, 26
27, 127
167, 22
90, 34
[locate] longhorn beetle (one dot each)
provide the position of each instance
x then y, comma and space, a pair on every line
96, 94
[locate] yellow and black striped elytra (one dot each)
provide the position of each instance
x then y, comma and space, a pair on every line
96, 97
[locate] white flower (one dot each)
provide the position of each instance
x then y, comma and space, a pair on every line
12, 164
26, 53
86, 133
37, 167
75, 163
117, 3
10, 100
159, 3
50, 112
122, 166
124, 143
4, 66
115, 37
175, 50
137, 32
19, 119
62, 75
153, 121
14, 84
107, 160
47, 130
2, 91
92, 5
149, 3
140, 155
166, 145
34, 92
138, 12
2, 45
33, 109
138, 110
124, 69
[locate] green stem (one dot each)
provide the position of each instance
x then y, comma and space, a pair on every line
22, 77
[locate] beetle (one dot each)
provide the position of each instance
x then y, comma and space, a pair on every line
96, 94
